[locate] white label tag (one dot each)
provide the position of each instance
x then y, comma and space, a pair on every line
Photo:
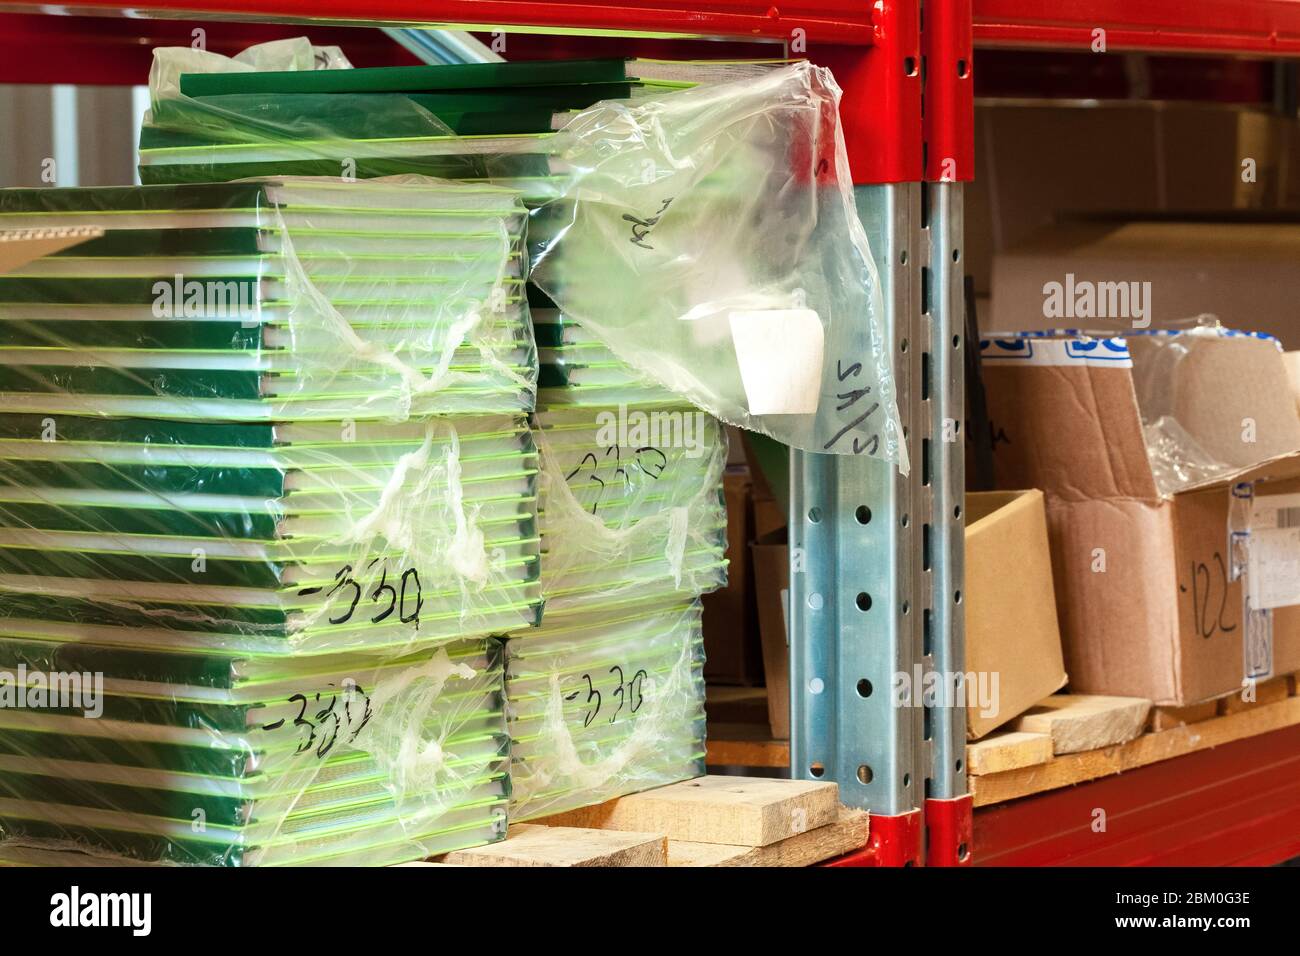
1275, 511
780, 356
1257, 643
1273, 567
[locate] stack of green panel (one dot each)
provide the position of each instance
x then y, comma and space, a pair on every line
274, 301
265, 479
220, 760
633, 527
466, 122
603, 703
607, 696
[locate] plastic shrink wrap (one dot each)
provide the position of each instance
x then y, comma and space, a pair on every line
698, 221
607, 696
266, 486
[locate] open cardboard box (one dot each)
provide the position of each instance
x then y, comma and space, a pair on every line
1013, 643
1242, 271
1148, 599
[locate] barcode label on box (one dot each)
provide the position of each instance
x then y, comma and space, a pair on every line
1288, 517
1275, 511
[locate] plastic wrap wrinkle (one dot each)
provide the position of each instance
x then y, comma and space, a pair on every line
686, 223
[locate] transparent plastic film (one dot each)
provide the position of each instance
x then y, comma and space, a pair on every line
706, 236
270, 417
1213, 401
603, 706
357, 760
631, 505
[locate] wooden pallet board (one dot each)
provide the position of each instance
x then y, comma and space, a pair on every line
1080, 722
735, 821
737, 811
1163, 718
745, 745
1007, 750
528, 845
1266, 692
848, 833
1068, 769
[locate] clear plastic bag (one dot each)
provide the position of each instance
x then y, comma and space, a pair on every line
1213, 401
707, 237
266, 485
604, 704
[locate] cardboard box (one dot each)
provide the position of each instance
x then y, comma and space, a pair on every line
1244, 273
1010, 605
1147, 599
1011, 624
1041, 161
772, 589
731, 644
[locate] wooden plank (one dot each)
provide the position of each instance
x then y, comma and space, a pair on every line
845, 835
1000, 752
1267, 692
1150, 748
1162, 718
745, 745
530, 845
740, 811
1080, 722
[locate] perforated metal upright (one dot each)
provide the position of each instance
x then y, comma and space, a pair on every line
876, 577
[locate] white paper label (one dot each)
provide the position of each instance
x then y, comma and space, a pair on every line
1273, 568
1256, 643
780, 356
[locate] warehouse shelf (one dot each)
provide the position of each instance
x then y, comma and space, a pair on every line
1255, 27
908, 117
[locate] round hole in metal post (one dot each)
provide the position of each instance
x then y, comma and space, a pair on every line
863, 601
865, 775
817, 769
864, 688
814, 515
863, 514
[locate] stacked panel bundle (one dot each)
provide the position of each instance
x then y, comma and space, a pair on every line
266, 484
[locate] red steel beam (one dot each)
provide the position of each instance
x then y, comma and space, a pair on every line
1248, 27
1237, 804
837, 21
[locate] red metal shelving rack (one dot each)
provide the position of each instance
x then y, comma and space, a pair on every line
1235, 804
1238, 793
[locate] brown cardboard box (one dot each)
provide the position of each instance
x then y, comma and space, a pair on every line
732, 654
1242, 272
1146, 604
1041, 161
772, 588
1011, 625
